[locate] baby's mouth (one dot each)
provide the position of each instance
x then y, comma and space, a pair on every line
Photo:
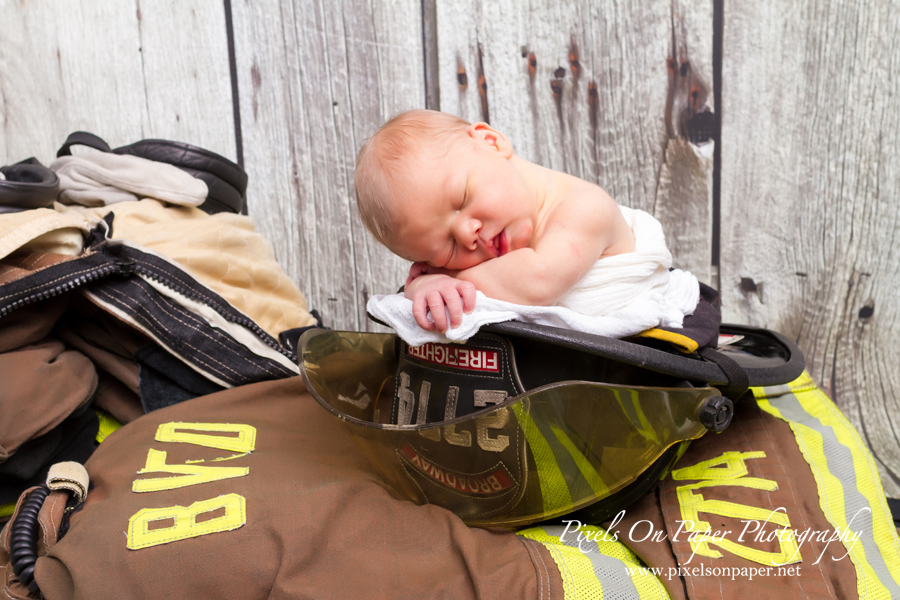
500, 243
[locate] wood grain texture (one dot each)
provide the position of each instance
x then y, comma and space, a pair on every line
683, 201
582, 86
430, 55
122, 70
810, 181
184, 46
316, 78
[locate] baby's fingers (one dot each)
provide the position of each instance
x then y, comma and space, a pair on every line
420, 313
438, 314
454, 307
467, 291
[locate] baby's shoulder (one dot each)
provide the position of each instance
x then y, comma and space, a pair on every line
587, 200
587, 216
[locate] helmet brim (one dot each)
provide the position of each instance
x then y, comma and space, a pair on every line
545, 453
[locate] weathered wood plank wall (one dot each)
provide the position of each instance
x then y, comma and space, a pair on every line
584, 86
617, 93
317, 77
124, 71
810, 187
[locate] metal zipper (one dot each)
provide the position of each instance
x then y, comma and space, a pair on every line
238, 320
125, 267
66, 286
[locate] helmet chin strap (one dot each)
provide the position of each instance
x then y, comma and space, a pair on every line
738, 381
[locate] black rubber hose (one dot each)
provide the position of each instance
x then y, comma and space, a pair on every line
23, 538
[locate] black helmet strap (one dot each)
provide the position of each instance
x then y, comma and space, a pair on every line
738, 381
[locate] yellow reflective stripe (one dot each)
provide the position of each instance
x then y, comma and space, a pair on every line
575, 569
600, 569
801, 384
617, 558
634, 402
6, 510
868, 483
822, 433
108, 424
554, 490
681, 342
584, 465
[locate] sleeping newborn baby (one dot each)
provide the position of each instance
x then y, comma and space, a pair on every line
472, 216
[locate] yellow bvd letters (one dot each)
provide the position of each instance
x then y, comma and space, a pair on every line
184, 523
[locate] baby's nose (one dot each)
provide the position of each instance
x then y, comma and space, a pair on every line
468, 233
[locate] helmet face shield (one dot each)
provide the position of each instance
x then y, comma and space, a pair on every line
517, 458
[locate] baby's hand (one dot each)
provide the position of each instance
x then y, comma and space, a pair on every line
417, 269
433, 293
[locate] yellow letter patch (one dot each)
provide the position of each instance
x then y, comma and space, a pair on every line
190, 474
179, 432
732, 472
185, 521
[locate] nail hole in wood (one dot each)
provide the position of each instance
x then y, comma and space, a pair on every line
867, 311
748, 285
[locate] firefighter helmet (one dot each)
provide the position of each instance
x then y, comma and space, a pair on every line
525, 423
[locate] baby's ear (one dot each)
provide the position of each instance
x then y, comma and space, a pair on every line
495, 140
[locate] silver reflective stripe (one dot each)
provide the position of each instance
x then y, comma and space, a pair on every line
452, 399
611, 572
424, 395
839, 462
407, 400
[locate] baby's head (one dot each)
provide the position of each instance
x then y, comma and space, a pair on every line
436, 189
383, 165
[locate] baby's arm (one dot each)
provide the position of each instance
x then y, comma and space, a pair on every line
578, 232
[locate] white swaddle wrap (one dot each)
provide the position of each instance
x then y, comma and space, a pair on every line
616, 282
621, 295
